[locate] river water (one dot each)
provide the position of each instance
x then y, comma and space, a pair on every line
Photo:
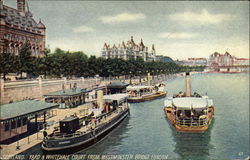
146, 133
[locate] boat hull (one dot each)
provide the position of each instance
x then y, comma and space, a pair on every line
184, 128
147, 98
85, 141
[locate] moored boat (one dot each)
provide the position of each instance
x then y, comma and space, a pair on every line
77, 133
189, 113
145, 93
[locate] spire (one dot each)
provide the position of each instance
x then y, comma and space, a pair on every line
142, 43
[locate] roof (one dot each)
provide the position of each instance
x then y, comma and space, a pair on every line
68, 119
138, 87
117, 97
22, 108
67, 92
41, 25
117, 85
189, 102
12, 17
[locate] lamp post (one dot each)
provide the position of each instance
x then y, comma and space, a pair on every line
140, 76
130, 82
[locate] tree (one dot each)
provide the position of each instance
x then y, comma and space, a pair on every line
7, 63
25, 60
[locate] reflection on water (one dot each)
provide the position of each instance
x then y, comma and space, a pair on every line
193, 145
107, 145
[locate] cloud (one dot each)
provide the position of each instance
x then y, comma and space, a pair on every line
81, 29
123, 17
180, 35
204, 17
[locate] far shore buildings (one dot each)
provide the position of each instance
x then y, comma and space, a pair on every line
18, 27
227, 63
226, 60
129, 50
193, 62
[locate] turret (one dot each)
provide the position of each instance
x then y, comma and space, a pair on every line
41, 27
21, 6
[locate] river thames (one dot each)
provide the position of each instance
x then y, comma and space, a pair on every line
147, 134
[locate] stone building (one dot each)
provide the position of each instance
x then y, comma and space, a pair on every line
227, 63
129, 50
18, 27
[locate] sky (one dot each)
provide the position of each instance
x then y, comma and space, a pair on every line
180, 29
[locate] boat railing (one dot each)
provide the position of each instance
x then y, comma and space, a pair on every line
191, 122
59, 135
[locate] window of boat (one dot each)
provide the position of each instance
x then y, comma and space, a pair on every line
7, 126
24, 121
18, 123
13, 124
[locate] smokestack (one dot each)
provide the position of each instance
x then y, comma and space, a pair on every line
21, 6
188, 92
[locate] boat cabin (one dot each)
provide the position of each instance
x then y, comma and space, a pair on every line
116, 87
138, 91
190, 111
69, 125
115, 101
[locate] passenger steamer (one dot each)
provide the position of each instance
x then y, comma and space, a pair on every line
77, 133
189, 113
145, 93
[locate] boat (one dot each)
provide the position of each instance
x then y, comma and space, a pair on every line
142, 93
77, 133
189, 113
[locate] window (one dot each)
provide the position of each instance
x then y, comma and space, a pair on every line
13, 124
18, 123
24, 121
7, 126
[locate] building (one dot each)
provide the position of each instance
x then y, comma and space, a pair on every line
193, 62
18, 27
227, 63
226, 60
129, 50
67, 98
16, 116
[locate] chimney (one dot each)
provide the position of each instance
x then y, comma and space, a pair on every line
188, 92
21, 6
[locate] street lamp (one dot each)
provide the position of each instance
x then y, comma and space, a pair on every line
130, 82
139, 76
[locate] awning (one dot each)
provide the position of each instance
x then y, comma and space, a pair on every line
117, 97
24, 108
131, 88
